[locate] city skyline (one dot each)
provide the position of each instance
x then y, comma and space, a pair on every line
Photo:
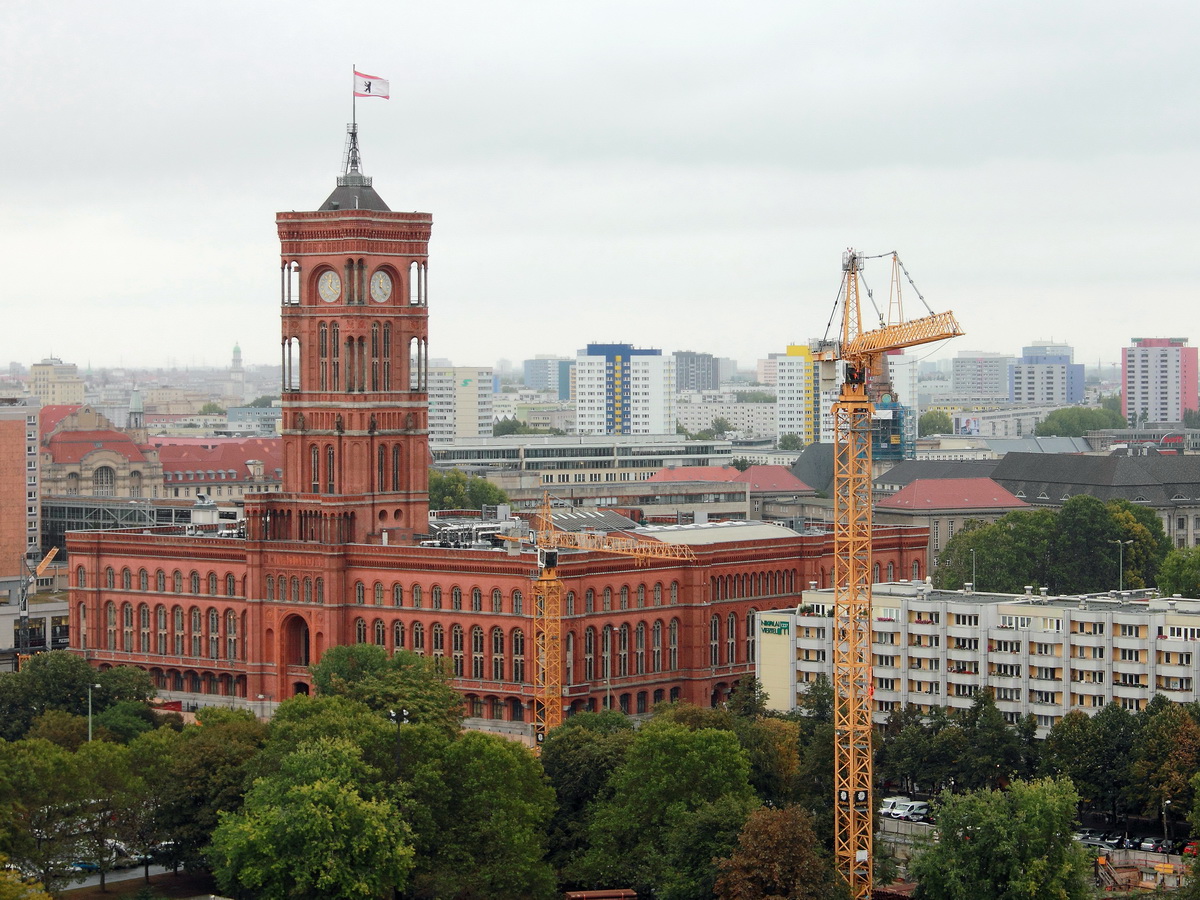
673, 177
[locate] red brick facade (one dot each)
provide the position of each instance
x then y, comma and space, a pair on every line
332, 559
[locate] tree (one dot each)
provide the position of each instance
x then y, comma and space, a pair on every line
934, 422
1166, 753
263, 402
108, 788
212, 409
454, 489
778, 857
1005, 844
741, 464
790, 442
1180, 572
720, 425
631, 831
14, 887
1076, 421
316, 828
490, 834
403, 681
1082, 553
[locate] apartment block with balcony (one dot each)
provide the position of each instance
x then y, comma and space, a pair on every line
1040, 655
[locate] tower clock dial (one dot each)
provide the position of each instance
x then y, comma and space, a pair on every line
381, 287
329, 286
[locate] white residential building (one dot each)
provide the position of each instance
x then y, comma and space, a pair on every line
623, 390
460, 403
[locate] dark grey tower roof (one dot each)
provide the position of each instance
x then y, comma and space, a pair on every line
354, 189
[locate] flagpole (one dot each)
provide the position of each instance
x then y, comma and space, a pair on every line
354, 95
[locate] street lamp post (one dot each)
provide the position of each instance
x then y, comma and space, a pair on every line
974, 583
1121, 545
89, 689
1165, 804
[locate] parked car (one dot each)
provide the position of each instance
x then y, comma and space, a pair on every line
918, 811
887, 804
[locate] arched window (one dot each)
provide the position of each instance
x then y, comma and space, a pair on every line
397, 595
270, 587
110, 578
875, 573
589, 602
380, 633
194, 582
497, 601
456, 649
360, 630
143, 580
104, 482
416, 596
639, 649
673, 646
624, 596
418, 638
623, 650
476, 600
212, 583
320, 590
197, 632
641, 596
656, 647
231, 635
456, 598
658, 594
360, 593
214, 635
398, 635
143, 628
477, 652
518, 654
230, 585
751, 628
177, 581
435, 597
177, 633
308, 590
891, 576
110, 625
518, 605
160, 625
916, 570
497, 654
674, 591
378, 594
714, 640
570, 606
438, 634
160, 580
296, 589
589, 654
730, 639
314, 464
606, 643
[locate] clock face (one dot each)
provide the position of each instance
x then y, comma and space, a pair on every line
381, 287
329, 286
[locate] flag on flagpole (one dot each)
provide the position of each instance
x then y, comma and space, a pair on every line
370, 86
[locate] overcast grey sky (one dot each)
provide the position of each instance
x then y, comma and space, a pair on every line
682, 175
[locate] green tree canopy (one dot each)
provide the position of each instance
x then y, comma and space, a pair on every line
403, 684
778, 856
454, 489
1076, 421
1180, 572
934, 422
212, 409
790, 442
1003, 845
264, 401
316, 828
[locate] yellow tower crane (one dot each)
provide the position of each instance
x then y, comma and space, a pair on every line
547, 604
863, 355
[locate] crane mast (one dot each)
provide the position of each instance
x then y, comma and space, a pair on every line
863, 355
547, 604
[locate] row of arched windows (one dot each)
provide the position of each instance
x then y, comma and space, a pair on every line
194, 632
624, 597
612, 651
192, 583
753, 584
730, 655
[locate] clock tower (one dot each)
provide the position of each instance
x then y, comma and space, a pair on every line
354, 355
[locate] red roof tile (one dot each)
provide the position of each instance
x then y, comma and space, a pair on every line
52, 415
182, 454
73, 446
952, 493
773, 479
